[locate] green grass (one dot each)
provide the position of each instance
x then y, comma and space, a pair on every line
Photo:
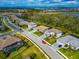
33, 50
50, 40
5, 31
24, 39
7, 28
25, 52
23, 26
38, 33
2, 55
18, 57
71, 54
30, 30
16, 53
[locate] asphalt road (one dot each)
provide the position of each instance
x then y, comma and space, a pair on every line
49, 51
46, 48
38, 40
11, 24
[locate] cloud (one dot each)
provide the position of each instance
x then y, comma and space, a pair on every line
56, 0
73, 2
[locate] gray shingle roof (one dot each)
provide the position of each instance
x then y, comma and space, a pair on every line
55, 30
67, 39
74, 43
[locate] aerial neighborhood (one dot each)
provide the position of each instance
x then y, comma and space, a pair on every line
23, 37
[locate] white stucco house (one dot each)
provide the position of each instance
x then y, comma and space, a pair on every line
31, 25
71, 41
74, 44
54, 32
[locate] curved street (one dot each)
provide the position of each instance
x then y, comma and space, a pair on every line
11, 26
46, 48
38, 40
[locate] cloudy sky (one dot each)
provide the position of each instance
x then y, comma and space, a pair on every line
45, 3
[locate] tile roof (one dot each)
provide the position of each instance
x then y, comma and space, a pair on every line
8, 40
54, 30
41, 28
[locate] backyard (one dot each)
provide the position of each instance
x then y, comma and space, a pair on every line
25, 52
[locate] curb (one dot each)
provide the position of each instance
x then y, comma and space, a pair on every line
62, 54
46, 42
35, 45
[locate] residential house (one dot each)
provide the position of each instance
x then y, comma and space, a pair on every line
54, 32
31, 25
13, 18
23, 23
71, 41
74, 44
41, 28
9, 43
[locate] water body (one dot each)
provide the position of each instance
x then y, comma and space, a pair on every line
38, 3
71, 15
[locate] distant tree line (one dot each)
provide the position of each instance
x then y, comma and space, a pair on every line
69, 23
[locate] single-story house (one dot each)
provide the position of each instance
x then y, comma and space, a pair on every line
41, 28
54, 32
71, 41
23, 23
31, 25
9, 43
64, 40
74, 44
13, 18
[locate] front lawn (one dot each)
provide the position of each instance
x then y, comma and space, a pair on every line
71, 54
30, 30
6, 30
23, 26
16, 53
50, 40
38, 33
